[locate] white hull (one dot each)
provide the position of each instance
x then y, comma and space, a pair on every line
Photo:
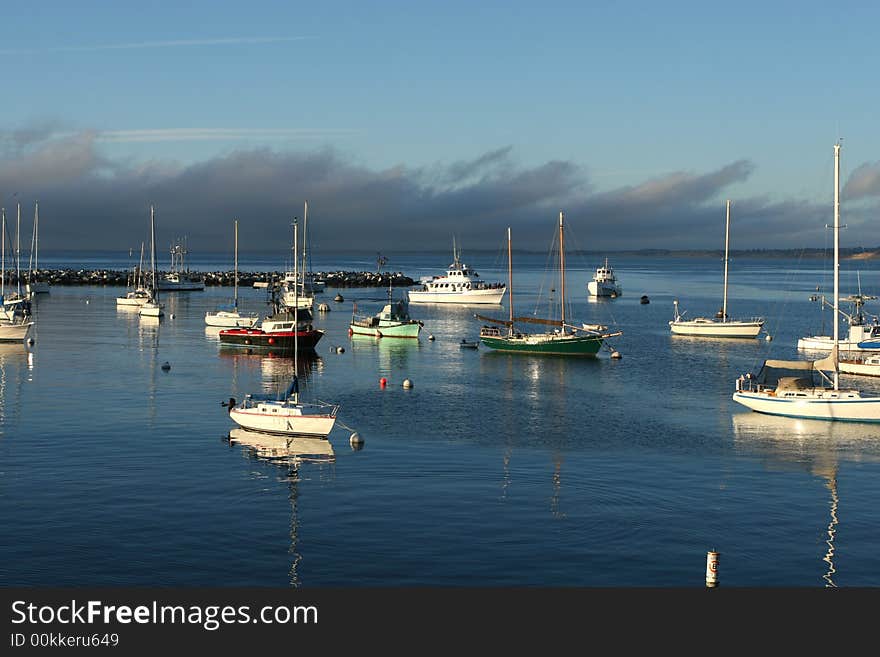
15, 332
815, 404
124, 301
708, 328
230, 319
301, 302
492, 295
284, 422
597, 289
190, 286
151, 310
850, 343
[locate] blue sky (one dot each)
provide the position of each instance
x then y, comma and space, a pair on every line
411, 121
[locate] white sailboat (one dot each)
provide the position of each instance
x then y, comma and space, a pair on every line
231, 317
295, 293
138, 294
153, 307
34, 285
720, 326
787, 387
15, 318
286, 415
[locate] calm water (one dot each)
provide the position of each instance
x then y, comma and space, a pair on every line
492, 470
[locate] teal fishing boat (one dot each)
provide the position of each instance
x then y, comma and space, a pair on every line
563, 340
392, 322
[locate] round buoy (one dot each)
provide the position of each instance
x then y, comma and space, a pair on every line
340, 350
407, 383
87, 302
383, 382
350, 332
356, 441
166, 366
615, 354
30, 342
271, 340
338, 297
323, 307
768, 338
431, 337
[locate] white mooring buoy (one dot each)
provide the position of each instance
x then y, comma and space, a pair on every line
616, 355
355, 440
431, 337
340, 350
711, 569
768, 338
407, 383
171, 316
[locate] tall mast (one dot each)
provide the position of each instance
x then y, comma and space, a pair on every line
31, 267
562, 269
305, 238
36, 235
836, 259
509, 280
140, 271
18, 248
726, 244
295, 320
3, 257
154, 284
235, 284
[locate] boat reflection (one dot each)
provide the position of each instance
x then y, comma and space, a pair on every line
16, 363
299, 455
391, 353
819, 446
276, 370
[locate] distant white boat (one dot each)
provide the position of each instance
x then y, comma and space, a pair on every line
461, 284
180, 278
604, 283
720, 326
231, 317
297, 289
861, 335
138, 294
15, 318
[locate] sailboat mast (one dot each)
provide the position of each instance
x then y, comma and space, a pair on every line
295, 319
36, 235
235, 279
726, 248
3, 257
305, 237
18, 248
562, 269
835, 344
509, 280
154, 284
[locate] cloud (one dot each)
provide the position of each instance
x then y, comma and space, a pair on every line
178, 43
864, 181
90, 201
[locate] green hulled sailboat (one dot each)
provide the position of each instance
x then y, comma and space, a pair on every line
564, 340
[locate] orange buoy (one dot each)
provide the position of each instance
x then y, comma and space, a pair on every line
271, 340
383, 382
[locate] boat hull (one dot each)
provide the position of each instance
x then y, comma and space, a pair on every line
825, 342
600, 289
228, 319
488, 296
37, 287
544, 344
403, 330
282, 424
712, 329
849, 406
151, 310
279, 341
17, 332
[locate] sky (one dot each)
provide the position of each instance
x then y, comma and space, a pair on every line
404, 124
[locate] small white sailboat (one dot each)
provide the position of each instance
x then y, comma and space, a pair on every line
787, 387
286, 415
16, 324
295, 292
231, 317
34, 285
137, 294
153, 307
720, 326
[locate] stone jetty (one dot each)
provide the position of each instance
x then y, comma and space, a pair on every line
112, 277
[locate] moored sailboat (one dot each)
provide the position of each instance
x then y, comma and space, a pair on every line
34, 285
720, 326
230, 316
564, 340
787, 387
285, 415
153, 307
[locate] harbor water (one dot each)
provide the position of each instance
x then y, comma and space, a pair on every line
491, 470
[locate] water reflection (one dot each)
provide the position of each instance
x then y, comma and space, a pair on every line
15, 360
297, 455
819, 446
276, 371
391, 354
